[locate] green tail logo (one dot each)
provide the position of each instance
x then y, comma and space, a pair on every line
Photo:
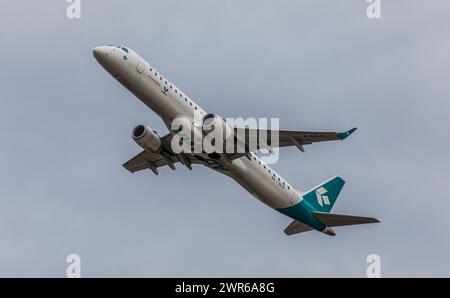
323, 196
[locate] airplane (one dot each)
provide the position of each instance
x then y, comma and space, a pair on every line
309, 210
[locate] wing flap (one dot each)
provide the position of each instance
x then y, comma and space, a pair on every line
145, 160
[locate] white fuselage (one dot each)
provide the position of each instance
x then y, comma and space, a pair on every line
169, 102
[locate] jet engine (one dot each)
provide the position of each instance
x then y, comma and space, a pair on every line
146, 138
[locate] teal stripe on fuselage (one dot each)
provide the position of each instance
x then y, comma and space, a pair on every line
303, 212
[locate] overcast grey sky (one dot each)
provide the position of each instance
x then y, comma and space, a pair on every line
317, 65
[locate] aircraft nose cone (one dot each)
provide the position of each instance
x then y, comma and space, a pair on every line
100, 53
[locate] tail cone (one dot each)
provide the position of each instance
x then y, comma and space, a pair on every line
329, 231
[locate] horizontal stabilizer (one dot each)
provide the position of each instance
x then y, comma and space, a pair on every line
297, 227
336, 220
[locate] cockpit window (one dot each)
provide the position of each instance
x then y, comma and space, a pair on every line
120, 47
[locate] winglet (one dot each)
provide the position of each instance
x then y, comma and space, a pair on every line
344, 135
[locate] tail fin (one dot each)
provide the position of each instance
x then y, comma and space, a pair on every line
323, 196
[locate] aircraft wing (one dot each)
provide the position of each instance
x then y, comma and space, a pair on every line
285, 138
153, 161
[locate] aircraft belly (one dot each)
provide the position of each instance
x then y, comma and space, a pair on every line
256, 182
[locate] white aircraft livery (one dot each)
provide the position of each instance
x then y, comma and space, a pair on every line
187, 123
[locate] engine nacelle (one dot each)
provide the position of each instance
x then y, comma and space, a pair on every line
146, 138
213, 122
